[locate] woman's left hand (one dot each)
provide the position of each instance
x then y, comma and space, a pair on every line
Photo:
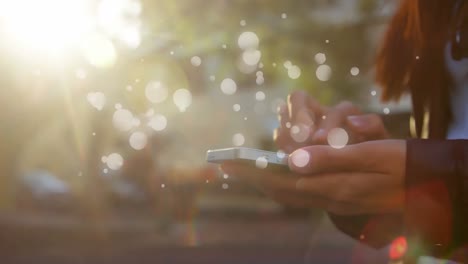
363, 178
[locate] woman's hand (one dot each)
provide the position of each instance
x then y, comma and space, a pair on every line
304, 122
358, 179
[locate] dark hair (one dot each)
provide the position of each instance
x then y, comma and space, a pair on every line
411, 58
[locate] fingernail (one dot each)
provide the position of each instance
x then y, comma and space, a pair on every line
356, 121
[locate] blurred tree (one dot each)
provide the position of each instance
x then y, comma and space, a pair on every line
287, 31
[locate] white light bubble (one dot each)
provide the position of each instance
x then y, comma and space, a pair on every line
182, 99
273, 64
417, 57
114, 161
123, 120
251, 57
163, 185
118, 106
300, 133
212, 78
136, 122
138, 140
228, 86
244, 68
261, 162
236, 107
300, 158
129, 88
225, 186
248, 40
97, 100
238, 140
105, 171
337, 138
320, 58
224, 46
327, 41
260, 65
99, 51
104, 159
386, 110
260, 96
259, 73
81, 74
373, 93
171, 52
288, 124
354, 71
284, 16
324, 117
295, 130
323, 73
196, 61
281, 154
158, 122
245, 118
243, 23
225, 176
150, 112
131, 36
94, 134
287, 64
156, 92
260, 80
294, 72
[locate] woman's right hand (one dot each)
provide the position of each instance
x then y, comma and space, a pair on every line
305, 122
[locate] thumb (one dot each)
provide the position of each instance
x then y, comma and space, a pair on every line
369, 126
319, 159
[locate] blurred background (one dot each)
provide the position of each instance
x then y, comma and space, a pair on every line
108, 107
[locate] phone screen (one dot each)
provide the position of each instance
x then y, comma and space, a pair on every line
255, 158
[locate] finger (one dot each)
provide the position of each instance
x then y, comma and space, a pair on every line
283, 115
298, 107
315, 106
283, 141
334, 118
318, 159
290, 190
307, 200
368, 127
354, 189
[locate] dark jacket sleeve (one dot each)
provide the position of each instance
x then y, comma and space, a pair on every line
435, 218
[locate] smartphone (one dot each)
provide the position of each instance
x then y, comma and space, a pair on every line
261, 159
